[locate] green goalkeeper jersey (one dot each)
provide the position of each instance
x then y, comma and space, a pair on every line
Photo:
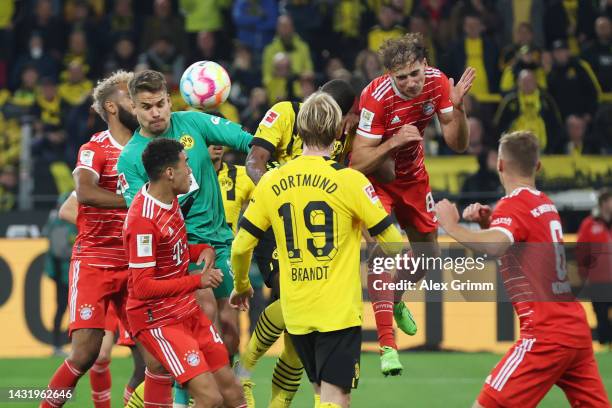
195, 130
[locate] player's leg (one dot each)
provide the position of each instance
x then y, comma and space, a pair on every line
287, 375
333, 396
581, 382
99, 374
204, 390
87, 320
227, 316
137, 377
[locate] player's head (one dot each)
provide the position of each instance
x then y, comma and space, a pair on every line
519, 156
111, 99
165, 162
319, 121
216, 152
405, 59
604, 202
342, 92
152, 105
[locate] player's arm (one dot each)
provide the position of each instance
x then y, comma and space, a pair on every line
493, 241
89, 166
256, 162
451, 112
69, 209
218, 131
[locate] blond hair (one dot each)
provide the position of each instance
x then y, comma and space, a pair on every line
397, 52
521, 151
319, 120
105, 88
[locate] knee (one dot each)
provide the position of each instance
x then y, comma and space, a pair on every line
209, 398
83, 358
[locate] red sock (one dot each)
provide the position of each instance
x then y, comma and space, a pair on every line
382, 304
127, 394
157, 390
100, 379
66, 377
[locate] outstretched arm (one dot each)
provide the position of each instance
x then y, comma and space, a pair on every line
454, 124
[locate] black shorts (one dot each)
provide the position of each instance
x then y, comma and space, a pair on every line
266, 256
332, 357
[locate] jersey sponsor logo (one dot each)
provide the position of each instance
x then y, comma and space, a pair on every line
192, 358
395, 120
86, 312
86, 158
428, 108
365, 120
144, 245
122, 184
371, 193
187, 141
270, 118
502, 220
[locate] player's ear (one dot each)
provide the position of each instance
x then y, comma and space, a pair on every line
500, 165
110, 107
538, 166
169, 100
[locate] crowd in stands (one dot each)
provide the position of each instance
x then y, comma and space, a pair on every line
544, 65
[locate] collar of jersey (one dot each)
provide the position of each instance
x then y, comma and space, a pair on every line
397, 92
518, 190
155, 200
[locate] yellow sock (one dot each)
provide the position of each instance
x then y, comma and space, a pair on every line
268, 329
317, 401
329, 405
287, 375
137, 398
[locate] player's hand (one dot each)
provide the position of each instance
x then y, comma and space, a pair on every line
457, 92
479, 213
406, 134
447, 214
241, 301
212, 278
350, 123
207, 256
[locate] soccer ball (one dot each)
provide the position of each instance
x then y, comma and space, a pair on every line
205, 85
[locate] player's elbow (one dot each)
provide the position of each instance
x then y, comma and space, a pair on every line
85, 195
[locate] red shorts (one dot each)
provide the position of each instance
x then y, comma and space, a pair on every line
188, 348
529, 370
114, 324
411, 201
91, 291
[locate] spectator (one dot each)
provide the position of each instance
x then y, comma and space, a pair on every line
571, 21
49, 105
164, 23
386, 29
572, 83
579, 142
514, 13
8, 188
533, 109
307, 18
202, 15
164, 57
50, 27
599, 55
594, 255
438, 14
256, 22
207, 49
23, 99
10, 141
7, 10
523, 37
602, 128
418, 23
527, 58
37, 57
255, 110
478, 51
282, 84
80, 19
245, 76
476, 145
122, 21
79, 52
484, 185
288, 43
367, 67
484, 8
76, 88
61, 235
123, 56
347, 22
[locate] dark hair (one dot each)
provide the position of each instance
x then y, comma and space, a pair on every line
342, 92
147, 81
160, 154
604, 195
397, 52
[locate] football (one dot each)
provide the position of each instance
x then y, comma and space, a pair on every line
205, 85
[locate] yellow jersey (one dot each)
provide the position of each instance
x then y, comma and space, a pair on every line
316, 208
236, 189
277, 133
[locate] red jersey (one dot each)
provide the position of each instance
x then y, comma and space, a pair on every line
384, 110
99, 242
534, 271
594, 250
155, 241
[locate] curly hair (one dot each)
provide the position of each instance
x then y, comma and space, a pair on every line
397, 52
105, 88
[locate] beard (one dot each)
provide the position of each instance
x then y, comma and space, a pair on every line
128, 120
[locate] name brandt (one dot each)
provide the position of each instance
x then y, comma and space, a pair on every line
309, 274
